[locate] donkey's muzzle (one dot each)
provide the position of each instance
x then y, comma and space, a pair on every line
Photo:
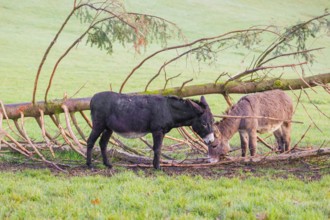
209, 138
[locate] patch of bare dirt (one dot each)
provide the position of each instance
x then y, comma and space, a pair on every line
304, 169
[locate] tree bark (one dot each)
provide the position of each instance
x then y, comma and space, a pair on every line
49, 108
245, 87
81, 104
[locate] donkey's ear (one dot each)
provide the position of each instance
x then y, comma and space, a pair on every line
196, 107
203, 101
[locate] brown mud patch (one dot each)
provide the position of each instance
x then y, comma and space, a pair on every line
311, 169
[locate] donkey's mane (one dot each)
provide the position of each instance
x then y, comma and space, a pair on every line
227, 126
184, 100
230, 111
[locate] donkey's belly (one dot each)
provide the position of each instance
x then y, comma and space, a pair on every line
131, 134
268, 128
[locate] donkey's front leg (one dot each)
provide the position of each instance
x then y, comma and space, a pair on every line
286, 128
158, 140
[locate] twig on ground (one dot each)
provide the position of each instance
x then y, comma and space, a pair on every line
20, 148
265, 143
162, 154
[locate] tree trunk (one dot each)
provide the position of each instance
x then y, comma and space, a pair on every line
80, 104
245, 87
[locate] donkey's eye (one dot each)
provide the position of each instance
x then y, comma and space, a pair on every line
204, 125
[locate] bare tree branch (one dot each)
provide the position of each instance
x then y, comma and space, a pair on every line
187, 45
257, 117
49, 48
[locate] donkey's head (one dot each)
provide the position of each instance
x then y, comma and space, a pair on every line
202, 124
218, 148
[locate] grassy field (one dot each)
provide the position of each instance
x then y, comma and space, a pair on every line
127, 195
26, 29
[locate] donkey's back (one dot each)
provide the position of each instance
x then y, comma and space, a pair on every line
265, 106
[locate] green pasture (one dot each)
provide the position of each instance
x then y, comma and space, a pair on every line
27, 28
127, 195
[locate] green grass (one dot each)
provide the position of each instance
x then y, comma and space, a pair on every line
26, 29
35, 194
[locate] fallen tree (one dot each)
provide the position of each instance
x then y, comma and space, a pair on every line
109, 22
14, 111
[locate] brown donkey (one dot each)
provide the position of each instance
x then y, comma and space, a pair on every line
257, 113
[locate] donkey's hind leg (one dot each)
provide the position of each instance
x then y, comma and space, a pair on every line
286, 134
103, 145
96, 132
279, 139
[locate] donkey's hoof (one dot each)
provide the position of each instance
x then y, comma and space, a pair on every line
108, 165
158, 168
89, 166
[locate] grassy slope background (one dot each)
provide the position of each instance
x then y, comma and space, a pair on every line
26, 29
